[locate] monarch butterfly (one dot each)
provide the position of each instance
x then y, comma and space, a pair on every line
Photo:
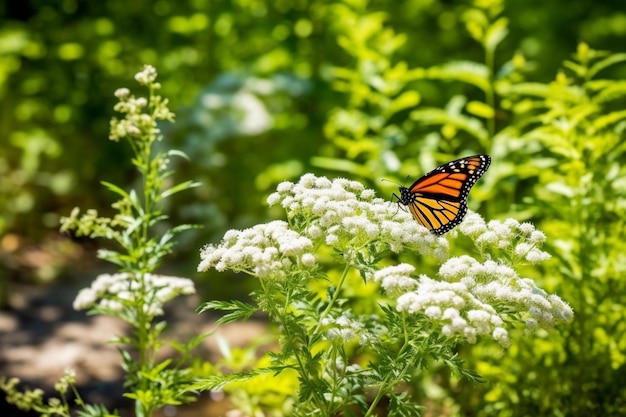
438, 200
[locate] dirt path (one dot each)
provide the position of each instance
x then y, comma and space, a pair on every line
41, 336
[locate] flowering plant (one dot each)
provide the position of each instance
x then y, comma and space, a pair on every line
344, 349
135, 294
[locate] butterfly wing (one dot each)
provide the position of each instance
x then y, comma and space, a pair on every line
438, 200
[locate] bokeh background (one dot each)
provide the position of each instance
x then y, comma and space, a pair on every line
266, 90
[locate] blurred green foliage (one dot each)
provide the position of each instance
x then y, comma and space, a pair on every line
60, 61
266, 90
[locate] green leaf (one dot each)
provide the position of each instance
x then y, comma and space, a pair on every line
110, 256
434, 116
214, 382
94, 410
480, 109
402, 405
604, 63
602, 122
402, 102
526, 89
176, 152
160, 367
341, 165
468, 72
610, 90
134, 199
180, 187
238, 310
115, 189
496, 32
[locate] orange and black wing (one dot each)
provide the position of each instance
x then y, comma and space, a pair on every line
438, 200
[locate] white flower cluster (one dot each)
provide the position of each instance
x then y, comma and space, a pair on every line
396, 279
115, 291
147, 75
347, 215
140, 114
457, 308
265, 250
345, 328
468, 301
522, 239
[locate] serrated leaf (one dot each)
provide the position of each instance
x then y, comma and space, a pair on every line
238, 310
214, 382
401, 405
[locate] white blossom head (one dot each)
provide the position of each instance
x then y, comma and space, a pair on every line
269, 250
346, 215
476, 299
115, 292
396, 279
520, 242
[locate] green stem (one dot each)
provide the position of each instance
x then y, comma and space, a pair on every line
281, 315
490, 96
142, 410
389, 382
333, 299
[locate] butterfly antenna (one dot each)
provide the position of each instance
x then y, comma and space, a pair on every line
391, 181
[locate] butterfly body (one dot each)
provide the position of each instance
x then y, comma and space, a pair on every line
438, 200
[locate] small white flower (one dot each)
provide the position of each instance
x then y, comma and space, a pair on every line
527, 228
308, 260
273, 199
85, 299
501, 336
396, 279
314, 231
537, 237
473, 224
470, 334
522, 249
511, 223
535, 256
332, 239
284, 187
111, 305
122, 93
147, 75
433, 312
451, 314
368, 194
141, 102
487, 238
